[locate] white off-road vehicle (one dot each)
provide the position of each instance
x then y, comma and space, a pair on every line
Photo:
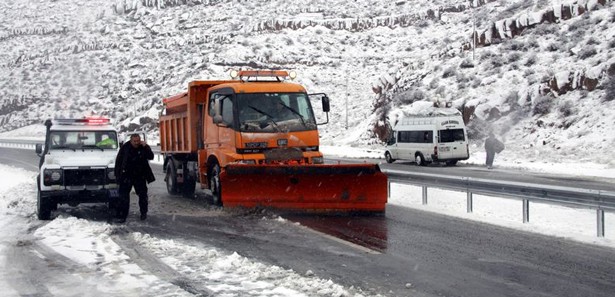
77, 164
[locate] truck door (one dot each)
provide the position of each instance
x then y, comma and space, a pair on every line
212, 138
220, 136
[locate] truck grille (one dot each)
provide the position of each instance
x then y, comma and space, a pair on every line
83, 177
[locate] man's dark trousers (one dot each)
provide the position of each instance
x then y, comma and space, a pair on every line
140, 186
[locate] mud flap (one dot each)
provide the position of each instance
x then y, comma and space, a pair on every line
321, 188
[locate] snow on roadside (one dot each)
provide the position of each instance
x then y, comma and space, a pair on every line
91, 244
229, 274
547, 219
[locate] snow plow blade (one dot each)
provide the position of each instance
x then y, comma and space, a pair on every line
311, 188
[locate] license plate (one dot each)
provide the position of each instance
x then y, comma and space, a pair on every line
113, 193
445, 149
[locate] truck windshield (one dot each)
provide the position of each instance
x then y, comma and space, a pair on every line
60, 140
274, 112
452, 135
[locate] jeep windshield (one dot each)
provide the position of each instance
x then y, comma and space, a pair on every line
76, 140
274, 112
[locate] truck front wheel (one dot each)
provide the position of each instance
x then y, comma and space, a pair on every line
214, 185
43, 208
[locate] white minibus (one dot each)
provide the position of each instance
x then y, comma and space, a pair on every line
440, 137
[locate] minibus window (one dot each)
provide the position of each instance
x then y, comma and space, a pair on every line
452, 135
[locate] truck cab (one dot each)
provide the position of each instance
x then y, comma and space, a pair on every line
253, 142
76, 164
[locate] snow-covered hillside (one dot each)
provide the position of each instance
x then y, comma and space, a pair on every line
546, 86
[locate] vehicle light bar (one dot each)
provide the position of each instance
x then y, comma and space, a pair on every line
279, 74
84, 121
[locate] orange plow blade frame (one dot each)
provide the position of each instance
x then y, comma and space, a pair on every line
320, 188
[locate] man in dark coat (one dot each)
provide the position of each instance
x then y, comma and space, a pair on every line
132, 170
492, 146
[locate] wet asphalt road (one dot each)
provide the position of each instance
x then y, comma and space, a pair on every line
403, 253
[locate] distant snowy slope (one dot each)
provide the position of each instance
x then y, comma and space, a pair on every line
374, 58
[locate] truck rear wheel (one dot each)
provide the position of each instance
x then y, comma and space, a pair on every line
43, 208
171, 179
214, 185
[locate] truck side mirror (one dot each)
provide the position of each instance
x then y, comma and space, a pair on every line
39, 149
325, 104
218, 119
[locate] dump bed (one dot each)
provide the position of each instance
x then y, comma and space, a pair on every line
179, 119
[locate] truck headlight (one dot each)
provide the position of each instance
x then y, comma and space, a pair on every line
318, 160
110, 175
52, 177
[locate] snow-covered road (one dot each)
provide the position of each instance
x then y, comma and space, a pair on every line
88, 257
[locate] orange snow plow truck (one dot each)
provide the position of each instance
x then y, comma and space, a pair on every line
253, 142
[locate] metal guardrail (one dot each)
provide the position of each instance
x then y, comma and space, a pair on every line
595, 199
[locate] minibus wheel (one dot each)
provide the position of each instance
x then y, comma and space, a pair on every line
420, 160
388, 157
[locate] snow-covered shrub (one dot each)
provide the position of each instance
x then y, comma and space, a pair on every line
408, 97
512, 99
434, 83
552, 47
592, 41
566, 108
496, 62
609, 87
542, 3
441, 91
546, 29
580, 23
531, 60
531, 43
449, 72
587, 52
542, 105
514, 8
476, 82
514, 45
466, 63
513, 57
462, 78
528, 72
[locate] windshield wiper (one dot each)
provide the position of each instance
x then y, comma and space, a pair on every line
63, 147
268, 116
91, 147
295, 112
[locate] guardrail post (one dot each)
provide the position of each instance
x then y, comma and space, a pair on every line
470, 202
526, 211
424, 195
600, 216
